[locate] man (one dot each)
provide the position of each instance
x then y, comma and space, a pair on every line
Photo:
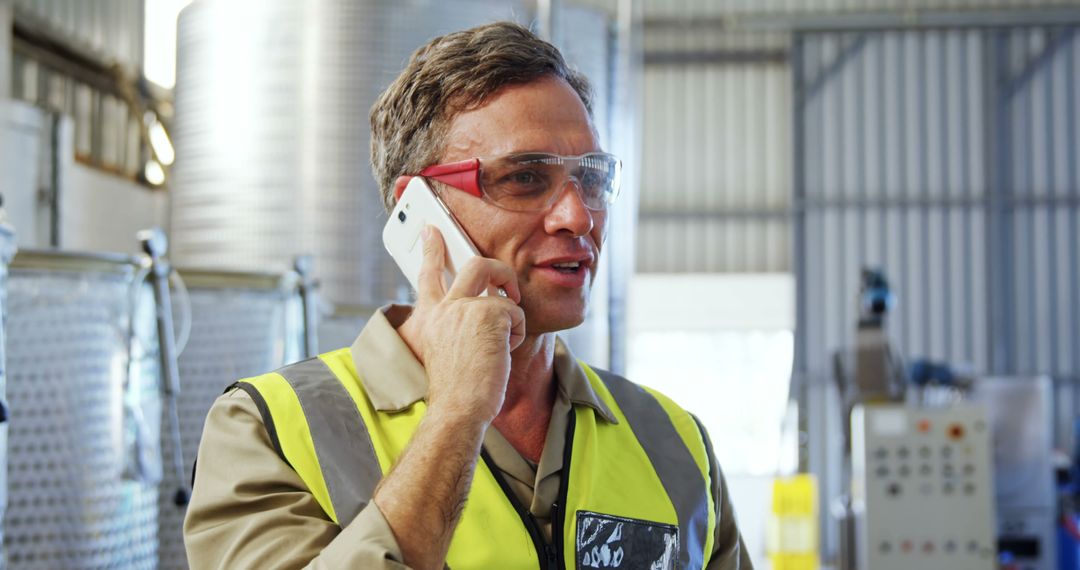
460, 431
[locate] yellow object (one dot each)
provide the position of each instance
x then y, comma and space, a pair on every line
611, 471
792, 538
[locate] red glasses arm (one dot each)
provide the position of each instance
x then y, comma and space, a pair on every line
464, 175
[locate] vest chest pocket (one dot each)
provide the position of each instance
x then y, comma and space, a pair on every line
606, 541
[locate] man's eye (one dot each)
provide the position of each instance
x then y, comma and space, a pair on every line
524, 177
592, 179
524, 182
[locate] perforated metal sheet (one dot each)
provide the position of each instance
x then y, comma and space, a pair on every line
340, 330
80, 495
235, 333
7, 250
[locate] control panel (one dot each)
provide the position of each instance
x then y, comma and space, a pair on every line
922, 488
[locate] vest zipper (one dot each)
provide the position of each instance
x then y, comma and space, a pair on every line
546, 554
558, 510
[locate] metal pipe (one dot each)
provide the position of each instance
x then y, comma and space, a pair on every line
626, 107
547, 16
999, 225
813, 407
923, 137
307, 285
946, 268
55, 178
156, 245
5, 49
1074, 216
718, 57
968, 321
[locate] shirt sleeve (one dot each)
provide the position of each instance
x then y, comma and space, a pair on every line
249, 509
729, 551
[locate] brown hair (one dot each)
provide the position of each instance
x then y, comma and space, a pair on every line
448, 75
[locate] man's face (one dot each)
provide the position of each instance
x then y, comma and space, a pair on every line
543, 116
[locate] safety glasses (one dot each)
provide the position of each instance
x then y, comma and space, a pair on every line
533, 181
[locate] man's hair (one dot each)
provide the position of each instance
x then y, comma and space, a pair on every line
448, 75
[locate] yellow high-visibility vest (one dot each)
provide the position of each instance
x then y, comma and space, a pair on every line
635, 493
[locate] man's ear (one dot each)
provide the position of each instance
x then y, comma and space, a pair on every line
399, 186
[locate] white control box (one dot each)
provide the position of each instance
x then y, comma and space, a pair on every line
922, 488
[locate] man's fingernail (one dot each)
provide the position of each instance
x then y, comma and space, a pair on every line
425, 233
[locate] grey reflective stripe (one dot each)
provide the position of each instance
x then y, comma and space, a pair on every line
342, 443
264, 411
673, 462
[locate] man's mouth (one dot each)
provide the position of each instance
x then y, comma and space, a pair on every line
567, 270
568, 267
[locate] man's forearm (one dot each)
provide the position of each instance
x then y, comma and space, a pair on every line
423, 495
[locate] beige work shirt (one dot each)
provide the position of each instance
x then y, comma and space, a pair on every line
249, 509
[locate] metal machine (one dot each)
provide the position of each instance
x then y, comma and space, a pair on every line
919, 468
872, 371
1020, 411
921, 485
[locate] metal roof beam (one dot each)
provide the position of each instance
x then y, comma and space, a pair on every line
869, 21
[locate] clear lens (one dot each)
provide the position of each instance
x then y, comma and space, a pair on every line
532, 181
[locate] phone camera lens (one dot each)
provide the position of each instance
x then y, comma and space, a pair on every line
401, 216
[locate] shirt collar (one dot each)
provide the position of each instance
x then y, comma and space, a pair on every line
394, 379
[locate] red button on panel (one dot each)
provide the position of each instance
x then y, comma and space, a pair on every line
905, 546
923, 426
956, 431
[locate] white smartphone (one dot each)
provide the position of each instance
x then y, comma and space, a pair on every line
419, 207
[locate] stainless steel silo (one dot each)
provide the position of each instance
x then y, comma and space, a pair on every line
84, 391
272, 132
231, 326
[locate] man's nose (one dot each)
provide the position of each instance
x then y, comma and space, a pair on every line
569, 211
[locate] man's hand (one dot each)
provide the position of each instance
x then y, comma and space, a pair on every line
464, 342
463, 339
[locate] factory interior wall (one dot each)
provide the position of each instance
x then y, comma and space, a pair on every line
21, 130
948, 159
716, 180
110, 29
99, 211
103, 212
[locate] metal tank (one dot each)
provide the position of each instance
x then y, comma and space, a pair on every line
7, 251
84, 393
230, 326
272, 140
272, 132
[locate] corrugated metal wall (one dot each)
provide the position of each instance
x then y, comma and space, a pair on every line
1040, 187
715, 191
109, 28
947, 158
716, 144
108, 32
893, 175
